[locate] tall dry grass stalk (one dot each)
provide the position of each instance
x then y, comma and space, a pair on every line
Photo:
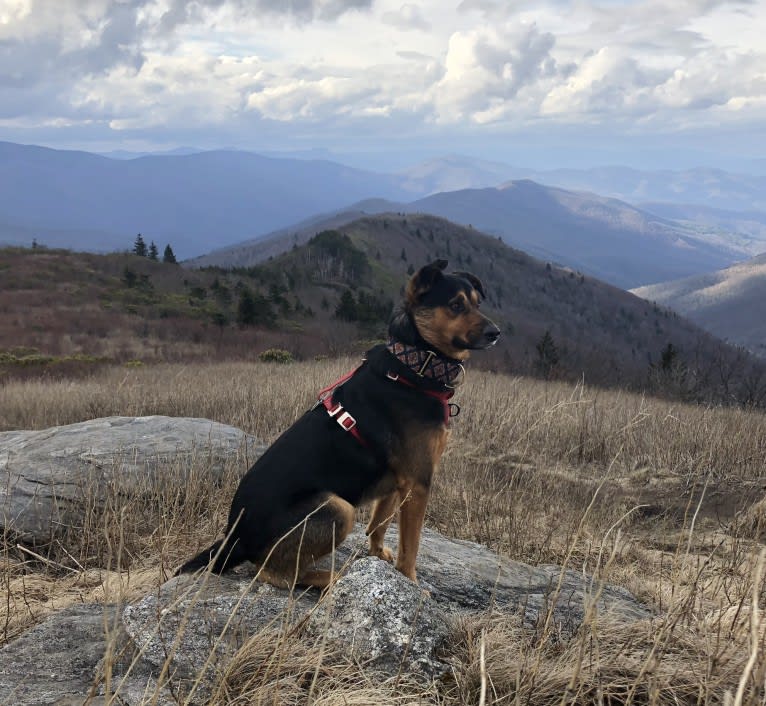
663, 498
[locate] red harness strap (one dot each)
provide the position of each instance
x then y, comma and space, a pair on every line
441, 396
335, 409
348, 423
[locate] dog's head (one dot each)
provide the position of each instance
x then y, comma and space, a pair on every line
445, 310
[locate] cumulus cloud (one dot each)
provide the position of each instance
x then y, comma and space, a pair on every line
408, 16
183, 12
149, 64
486, 69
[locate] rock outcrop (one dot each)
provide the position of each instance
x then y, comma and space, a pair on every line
46, 475
186, 632
176, 641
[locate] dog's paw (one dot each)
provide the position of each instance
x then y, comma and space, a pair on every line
383, 553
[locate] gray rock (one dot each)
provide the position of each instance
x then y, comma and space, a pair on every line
55, 659
45, 475
465, 576
61, 662
373, 613
383, 620
198, 624
192, 626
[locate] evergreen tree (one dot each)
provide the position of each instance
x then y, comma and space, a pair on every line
168, 255
153, 254
129, 277
246, 309
139, 246
347, 308
547, 355
254, 309
668, 357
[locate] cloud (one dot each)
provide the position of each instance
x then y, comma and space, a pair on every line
408, 17
487, 69
318, 65
182, 12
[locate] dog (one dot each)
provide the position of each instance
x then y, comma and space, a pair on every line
374, 436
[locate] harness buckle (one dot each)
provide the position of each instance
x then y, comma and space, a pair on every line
346, 421
342, 417
392, 376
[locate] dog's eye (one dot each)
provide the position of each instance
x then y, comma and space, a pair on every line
457, 306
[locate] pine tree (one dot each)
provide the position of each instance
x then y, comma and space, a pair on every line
246, 309
139, 246
347, 307
168, 255
153, 254
547, 355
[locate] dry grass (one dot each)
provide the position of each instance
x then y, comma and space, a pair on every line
659, 497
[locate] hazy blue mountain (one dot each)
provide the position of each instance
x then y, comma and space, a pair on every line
455, 172
206, 201
730, 303
194, 201
708, 187
603, 237
744, 229
128, 154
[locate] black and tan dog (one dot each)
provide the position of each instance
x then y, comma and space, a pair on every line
376, 435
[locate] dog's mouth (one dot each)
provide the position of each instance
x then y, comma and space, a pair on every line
486, 339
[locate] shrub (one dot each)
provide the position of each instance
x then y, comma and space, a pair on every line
276, 355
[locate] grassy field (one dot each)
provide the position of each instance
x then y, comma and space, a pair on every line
664, 499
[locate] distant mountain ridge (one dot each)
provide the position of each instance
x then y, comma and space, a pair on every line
730, 303
603, 237
192, 201
204, 201
713, 188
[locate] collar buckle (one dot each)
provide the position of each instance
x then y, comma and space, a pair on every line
430, 355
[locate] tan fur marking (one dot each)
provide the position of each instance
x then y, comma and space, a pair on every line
440, 327
414, 468
383, 512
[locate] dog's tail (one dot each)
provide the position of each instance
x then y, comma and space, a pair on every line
220, 556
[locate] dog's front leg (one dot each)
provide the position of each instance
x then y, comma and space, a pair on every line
411, 517
383, 512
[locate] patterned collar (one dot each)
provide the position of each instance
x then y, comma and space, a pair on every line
427, 364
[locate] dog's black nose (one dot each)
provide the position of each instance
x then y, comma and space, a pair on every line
492, 333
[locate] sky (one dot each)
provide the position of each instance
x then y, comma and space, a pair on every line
529, 82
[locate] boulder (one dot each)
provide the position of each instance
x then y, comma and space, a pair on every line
45, 475
192, 626
61, 662
373, 613
383, 620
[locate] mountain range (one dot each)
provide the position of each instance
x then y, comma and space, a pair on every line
603, 237
203, 201
730, 303
193, 201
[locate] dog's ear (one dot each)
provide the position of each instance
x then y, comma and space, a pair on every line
474, 280
425, 278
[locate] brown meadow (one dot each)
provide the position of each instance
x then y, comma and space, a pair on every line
665, 499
